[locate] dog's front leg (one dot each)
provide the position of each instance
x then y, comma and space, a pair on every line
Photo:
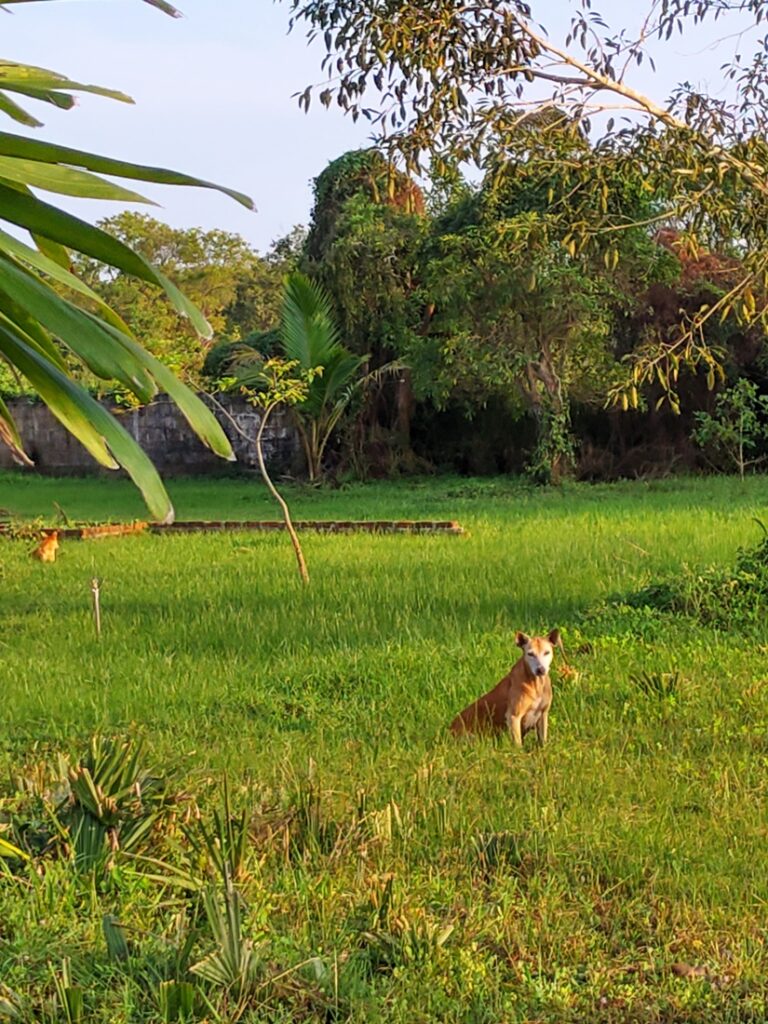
541, 728
514, 724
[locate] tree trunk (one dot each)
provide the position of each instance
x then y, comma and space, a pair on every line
280, 500
307, 442
548, 410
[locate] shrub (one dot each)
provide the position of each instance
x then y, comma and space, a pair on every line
732, 437
715, 596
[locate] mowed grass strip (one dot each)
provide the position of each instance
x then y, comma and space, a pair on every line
573, 878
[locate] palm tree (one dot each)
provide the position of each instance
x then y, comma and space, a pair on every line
310, 340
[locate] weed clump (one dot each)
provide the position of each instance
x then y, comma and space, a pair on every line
715, 596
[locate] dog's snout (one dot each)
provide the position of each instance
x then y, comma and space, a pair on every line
540, 670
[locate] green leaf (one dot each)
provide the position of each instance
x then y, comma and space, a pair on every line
195, 411
114, 934
307, 329
52, 268
165, 7
65, 180
35, 335
176, 1000
26, 76
89, 339
9, 436
17, 113
58, 253
161, 5
33, 149
62, 100
107, 441
54, 388
29, 212
11, 852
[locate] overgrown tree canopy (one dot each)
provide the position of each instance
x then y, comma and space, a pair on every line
478, 291
448, 81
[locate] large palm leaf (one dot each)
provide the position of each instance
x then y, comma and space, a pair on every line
38, 323
310, 340
309, 335
308, 332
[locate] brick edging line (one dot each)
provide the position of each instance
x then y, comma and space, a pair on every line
446, 526
321, 526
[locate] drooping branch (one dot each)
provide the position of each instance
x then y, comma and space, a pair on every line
593, 80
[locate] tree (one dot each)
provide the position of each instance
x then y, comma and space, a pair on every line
237, 290
358, 173
273, 383
309, 340
514, 313
532, 326
460, 81
259, 292
740, 423
43, 330
364, 245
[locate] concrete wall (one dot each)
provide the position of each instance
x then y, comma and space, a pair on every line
162, 432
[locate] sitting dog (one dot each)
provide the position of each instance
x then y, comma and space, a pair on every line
47, 548
521, 701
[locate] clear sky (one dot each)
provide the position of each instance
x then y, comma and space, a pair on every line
214, 98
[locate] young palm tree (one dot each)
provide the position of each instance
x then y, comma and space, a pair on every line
309, 339
309, 335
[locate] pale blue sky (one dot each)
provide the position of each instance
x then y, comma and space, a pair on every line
213, 96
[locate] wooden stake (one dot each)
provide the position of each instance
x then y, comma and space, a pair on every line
95, 592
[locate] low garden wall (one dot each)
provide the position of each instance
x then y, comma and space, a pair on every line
162, 432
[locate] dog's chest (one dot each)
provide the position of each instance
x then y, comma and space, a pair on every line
541, 701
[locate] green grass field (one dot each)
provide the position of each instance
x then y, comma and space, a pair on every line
390, 873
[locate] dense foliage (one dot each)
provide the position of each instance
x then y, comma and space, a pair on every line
501, 85
484, 296
507, 338
586, 270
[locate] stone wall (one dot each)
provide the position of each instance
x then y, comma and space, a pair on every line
162, 432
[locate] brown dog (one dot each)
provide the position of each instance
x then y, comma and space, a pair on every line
47, 548
521, 701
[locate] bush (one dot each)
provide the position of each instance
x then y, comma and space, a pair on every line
734, 435
218, 358
715, 596
265, 342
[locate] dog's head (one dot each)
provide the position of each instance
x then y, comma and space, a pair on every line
538, 651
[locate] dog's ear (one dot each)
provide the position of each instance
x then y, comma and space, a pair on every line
555, 639
521, 639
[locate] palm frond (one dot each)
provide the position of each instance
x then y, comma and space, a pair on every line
308, 332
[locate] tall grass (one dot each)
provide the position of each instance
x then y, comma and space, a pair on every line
413, 877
